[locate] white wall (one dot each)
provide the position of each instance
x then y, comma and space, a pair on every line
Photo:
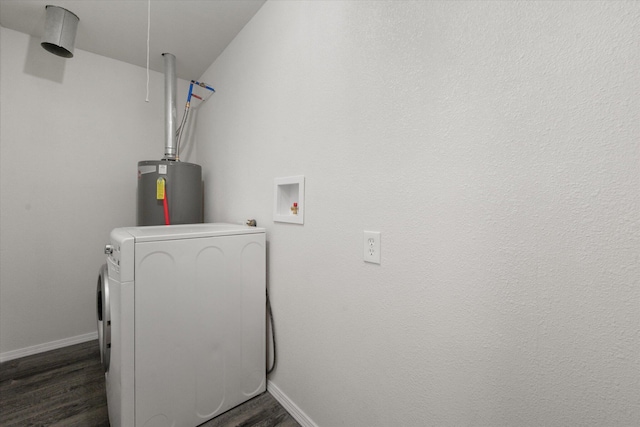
71, 136
496, 147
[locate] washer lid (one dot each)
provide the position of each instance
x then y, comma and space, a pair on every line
189, 231
103, 308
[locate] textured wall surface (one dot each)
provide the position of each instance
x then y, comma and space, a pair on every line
496, 147
72, 132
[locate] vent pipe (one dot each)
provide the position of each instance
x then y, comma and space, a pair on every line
59, 31
170, 89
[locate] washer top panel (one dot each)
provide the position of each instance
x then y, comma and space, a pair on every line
188, 231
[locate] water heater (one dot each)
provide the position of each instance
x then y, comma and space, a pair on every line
169, 192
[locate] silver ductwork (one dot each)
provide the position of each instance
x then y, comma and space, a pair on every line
60, 29
170, 89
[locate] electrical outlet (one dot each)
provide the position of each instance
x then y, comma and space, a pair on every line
371, 246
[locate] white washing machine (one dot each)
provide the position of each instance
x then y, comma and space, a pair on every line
181, 320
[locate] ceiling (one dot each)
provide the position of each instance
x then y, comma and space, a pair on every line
195, 31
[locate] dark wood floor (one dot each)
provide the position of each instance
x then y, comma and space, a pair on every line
65, 387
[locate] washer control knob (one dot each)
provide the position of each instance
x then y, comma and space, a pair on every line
108, 249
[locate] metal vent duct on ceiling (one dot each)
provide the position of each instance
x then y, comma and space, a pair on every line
60, 31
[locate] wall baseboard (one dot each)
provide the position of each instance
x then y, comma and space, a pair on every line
52, 345
297, 413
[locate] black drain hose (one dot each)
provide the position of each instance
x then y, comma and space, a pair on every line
273, 335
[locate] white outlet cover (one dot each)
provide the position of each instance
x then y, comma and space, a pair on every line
371, 247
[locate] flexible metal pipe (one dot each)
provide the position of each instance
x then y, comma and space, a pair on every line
170, 89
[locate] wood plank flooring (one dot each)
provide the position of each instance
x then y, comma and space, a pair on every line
65, 387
